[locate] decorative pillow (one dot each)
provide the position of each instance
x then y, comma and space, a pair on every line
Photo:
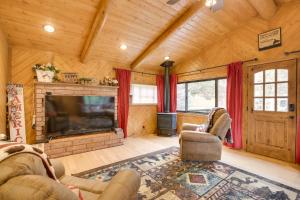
202, 128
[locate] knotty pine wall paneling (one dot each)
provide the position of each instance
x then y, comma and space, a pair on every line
241, 44
22, 60
142, 118
4, 78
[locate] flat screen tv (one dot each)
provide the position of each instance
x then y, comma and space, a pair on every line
68, 115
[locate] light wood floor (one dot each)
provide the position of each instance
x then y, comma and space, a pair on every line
282, 172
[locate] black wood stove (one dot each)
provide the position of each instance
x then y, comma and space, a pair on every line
167, 121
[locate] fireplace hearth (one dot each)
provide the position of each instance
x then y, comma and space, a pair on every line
69, 144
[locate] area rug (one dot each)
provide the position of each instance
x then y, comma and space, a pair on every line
165, 176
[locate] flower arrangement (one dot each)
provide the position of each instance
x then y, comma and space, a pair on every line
45, 67
109, 81
46, 72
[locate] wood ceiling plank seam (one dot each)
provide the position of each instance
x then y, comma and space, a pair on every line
27, 20
130, 25
164, 6
188, 36
116, 20
211, 23
77, 6
147, 11
169, 31
111, 33
181, 42
54, 14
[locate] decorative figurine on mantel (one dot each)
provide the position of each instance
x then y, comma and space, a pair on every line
70, 77
88, 81
45, 72
109, 81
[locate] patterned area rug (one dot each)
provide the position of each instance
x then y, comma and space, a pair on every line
165, 176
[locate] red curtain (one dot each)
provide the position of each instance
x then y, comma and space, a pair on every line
160, 93
123, 77
173, 92
298, 143
235, 102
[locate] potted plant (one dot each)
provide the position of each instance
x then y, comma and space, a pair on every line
45, 72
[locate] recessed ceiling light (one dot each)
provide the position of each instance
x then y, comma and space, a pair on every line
210, 3
123, 47
167, 58
48, 28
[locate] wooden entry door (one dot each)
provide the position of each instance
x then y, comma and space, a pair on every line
272, 110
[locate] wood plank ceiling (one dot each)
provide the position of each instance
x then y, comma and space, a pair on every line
136, 23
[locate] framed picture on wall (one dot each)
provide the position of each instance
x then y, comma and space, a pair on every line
269, 39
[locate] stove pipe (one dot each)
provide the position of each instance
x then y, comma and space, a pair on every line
167, 65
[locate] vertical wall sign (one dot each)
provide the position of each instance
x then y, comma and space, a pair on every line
16, 114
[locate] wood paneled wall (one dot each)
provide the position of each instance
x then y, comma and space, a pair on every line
4, 74
241, 44
142, 118
22, 60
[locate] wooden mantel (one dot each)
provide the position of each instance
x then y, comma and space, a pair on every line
76, 85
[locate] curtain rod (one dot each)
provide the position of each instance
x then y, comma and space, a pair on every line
140, 72
291, 52
218, 66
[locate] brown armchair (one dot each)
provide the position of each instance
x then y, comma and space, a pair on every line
23, 176
205, 146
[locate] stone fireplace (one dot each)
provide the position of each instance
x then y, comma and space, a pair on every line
79, 143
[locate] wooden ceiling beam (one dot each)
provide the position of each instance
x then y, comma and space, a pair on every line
179, 22
265, 8
97, 26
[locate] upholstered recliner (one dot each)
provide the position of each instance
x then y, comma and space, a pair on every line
195, 144
24, 176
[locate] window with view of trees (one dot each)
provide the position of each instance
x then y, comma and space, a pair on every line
201, 96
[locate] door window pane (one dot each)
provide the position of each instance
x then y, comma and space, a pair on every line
270, 90
201, 96
282, 104
222, 88
282, 89
259, 90
282, 75
181, 97
269, 104
270, 75
259, 77
258, 104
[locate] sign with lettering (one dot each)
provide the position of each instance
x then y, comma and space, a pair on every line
16, 114
269, 39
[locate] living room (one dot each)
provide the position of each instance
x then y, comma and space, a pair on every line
140, 99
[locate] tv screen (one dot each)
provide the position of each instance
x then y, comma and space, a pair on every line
67, 115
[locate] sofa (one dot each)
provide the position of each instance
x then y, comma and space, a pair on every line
199, 145
23, 176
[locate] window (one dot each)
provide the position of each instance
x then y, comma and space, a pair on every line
143, 94
201, 96
271, 90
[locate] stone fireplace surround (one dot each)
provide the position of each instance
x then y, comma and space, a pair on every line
79, 143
